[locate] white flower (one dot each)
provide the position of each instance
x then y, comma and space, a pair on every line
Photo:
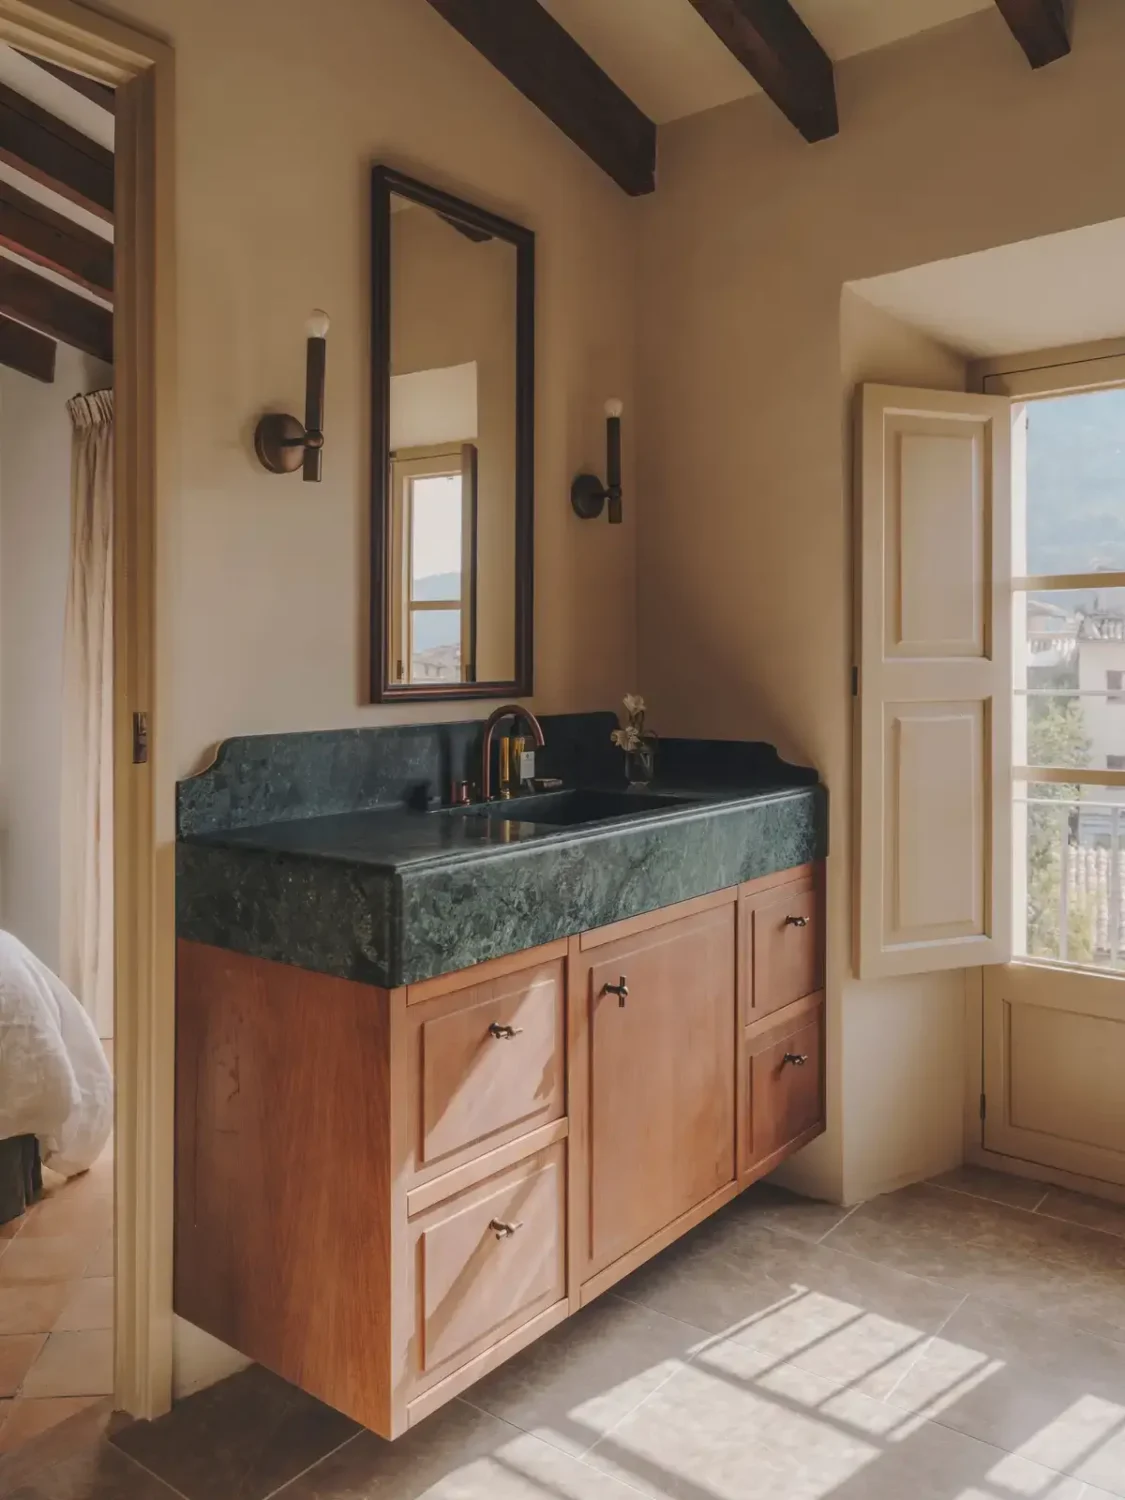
627, 738
634, 705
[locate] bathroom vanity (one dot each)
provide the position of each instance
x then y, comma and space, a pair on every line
445, 1075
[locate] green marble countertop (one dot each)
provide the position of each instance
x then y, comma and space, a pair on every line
391, 896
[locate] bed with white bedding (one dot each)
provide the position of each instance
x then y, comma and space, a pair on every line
55, 1082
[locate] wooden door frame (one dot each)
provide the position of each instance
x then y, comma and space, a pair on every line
140, 67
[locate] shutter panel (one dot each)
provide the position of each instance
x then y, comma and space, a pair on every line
935, 684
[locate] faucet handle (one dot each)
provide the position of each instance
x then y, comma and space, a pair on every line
461, 794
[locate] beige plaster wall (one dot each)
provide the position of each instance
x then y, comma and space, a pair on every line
281, 109
949, 143
278, 124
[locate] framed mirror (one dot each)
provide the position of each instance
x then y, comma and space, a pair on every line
453, 412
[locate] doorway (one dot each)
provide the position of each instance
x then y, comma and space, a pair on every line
59, 35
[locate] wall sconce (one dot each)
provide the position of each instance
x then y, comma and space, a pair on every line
283, 444
587, 494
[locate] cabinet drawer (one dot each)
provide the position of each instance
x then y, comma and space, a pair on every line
486, 1065
488, 1261
785, 1092
783, 940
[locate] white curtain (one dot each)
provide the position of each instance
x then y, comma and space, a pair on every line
86, 930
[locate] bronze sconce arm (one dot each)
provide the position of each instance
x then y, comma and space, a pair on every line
588, 495
282, 443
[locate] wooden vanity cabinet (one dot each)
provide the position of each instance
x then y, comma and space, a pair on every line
382, 1195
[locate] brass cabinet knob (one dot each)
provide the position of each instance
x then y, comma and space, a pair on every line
502, 1032
798, 1059
796, 921
620, 989
503, 1230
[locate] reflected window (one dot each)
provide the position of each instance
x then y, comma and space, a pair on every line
432, 623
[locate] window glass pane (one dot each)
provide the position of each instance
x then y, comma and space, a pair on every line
435, 645
1076, 483
1070, 681
1080, 730
435, 537
1071, 850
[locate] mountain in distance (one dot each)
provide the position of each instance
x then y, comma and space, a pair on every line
437, 628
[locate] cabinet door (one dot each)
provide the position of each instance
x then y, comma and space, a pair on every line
659, 1103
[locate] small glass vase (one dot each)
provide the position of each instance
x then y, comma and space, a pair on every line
640, 764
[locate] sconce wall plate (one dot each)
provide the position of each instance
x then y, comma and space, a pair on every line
279, 442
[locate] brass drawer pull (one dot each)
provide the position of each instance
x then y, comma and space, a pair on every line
502, 1032
798, 1059
621, 990
504, 1230
796, 921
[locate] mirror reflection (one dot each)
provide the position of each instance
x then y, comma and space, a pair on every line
451, 513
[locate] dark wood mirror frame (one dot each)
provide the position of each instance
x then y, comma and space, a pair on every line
477, 222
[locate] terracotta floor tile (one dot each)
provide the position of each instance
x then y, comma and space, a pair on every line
90, 1218
60, 1258
101, 1262
32, 1308
27, 1419
17, 1354
89, 1305
73, 1364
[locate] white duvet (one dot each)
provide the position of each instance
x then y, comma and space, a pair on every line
55, 1082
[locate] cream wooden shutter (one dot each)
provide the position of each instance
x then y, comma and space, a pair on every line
935, 681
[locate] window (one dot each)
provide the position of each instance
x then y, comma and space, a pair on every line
1070, 681
432, 605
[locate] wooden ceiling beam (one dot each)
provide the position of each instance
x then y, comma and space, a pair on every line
49, 239
535, 54
1040, 27
781, 54
98, 93
22, 349
52, 310
34, 142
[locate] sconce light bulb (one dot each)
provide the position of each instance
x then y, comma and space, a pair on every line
318, 324
614, 407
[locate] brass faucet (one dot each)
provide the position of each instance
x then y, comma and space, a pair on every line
505, 711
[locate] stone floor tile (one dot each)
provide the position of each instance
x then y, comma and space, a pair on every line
996, 1187
457, 1454
772, 1207
572, 1386
1079, 1208
238, 1440
725, 1430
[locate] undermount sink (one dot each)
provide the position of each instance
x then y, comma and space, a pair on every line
581, 805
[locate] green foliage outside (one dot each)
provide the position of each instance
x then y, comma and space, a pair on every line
1056, 736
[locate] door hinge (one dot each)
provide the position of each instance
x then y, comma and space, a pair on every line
140, 739
983, 1107
855, 682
